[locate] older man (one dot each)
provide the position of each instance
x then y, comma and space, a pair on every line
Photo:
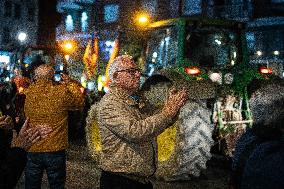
128, 135
48, 103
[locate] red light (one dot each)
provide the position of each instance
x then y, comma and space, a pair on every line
192, 70
265, 70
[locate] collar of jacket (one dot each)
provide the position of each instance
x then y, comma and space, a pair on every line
129, 100
44, 81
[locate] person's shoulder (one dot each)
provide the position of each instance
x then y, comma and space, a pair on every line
265, 167
106, 99
59, 87
110, 100
31, 87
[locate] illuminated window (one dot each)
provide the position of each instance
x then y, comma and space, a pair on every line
192, 7
69, 23
250, 41
4, 59
111, 13
84, 21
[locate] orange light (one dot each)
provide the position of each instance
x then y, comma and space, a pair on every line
142, 20
82, 89
68, 46
192, 70
21, 89
265, 70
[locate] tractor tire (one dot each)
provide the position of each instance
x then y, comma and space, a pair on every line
183, 148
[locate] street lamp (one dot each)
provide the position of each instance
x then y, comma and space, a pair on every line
259, 53
68, 46
142, 19
22, 36
276, 53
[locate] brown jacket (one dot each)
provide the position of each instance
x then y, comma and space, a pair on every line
128, 135
48, 103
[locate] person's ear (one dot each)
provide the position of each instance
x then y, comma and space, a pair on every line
114, 76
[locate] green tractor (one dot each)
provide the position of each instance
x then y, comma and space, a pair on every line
209, 58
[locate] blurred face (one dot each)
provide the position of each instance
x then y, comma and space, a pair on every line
17, 72
128, 77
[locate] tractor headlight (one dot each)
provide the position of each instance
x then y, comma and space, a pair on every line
216, 77
228, 78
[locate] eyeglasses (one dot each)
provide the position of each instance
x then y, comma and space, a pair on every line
131, 71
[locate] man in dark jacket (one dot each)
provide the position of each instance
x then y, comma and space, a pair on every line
258, 160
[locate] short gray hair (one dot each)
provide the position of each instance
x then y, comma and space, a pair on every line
118, 63
44, 71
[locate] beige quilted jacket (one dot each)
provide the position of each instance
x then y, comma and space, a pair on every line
128, 135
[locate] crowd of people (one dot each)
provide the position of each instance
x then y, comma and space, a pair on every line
35, 137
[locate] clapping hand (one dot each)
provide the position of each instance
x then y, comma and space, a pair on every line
6, 122
26, 137
43, 129
175, 101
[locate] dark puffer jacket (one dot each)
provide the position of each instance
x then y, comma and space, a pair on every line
265, 167
11, 167
258, 161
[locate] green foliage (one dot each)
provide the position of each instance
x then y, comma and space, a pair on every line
243, 75
186, 63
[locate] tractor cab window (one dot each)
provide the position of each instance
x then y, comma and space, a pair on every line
211, 47
162, 49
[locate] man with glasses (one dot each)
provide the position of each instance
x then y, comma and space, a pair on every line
127, 133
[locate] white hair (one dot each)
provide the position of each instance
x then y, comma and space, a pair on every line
44, 71
117, 64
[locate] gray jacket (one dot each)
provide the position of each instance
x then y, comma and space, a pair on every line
128, 135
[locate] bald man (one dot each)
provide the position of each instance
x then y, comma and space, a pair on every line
48, 103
